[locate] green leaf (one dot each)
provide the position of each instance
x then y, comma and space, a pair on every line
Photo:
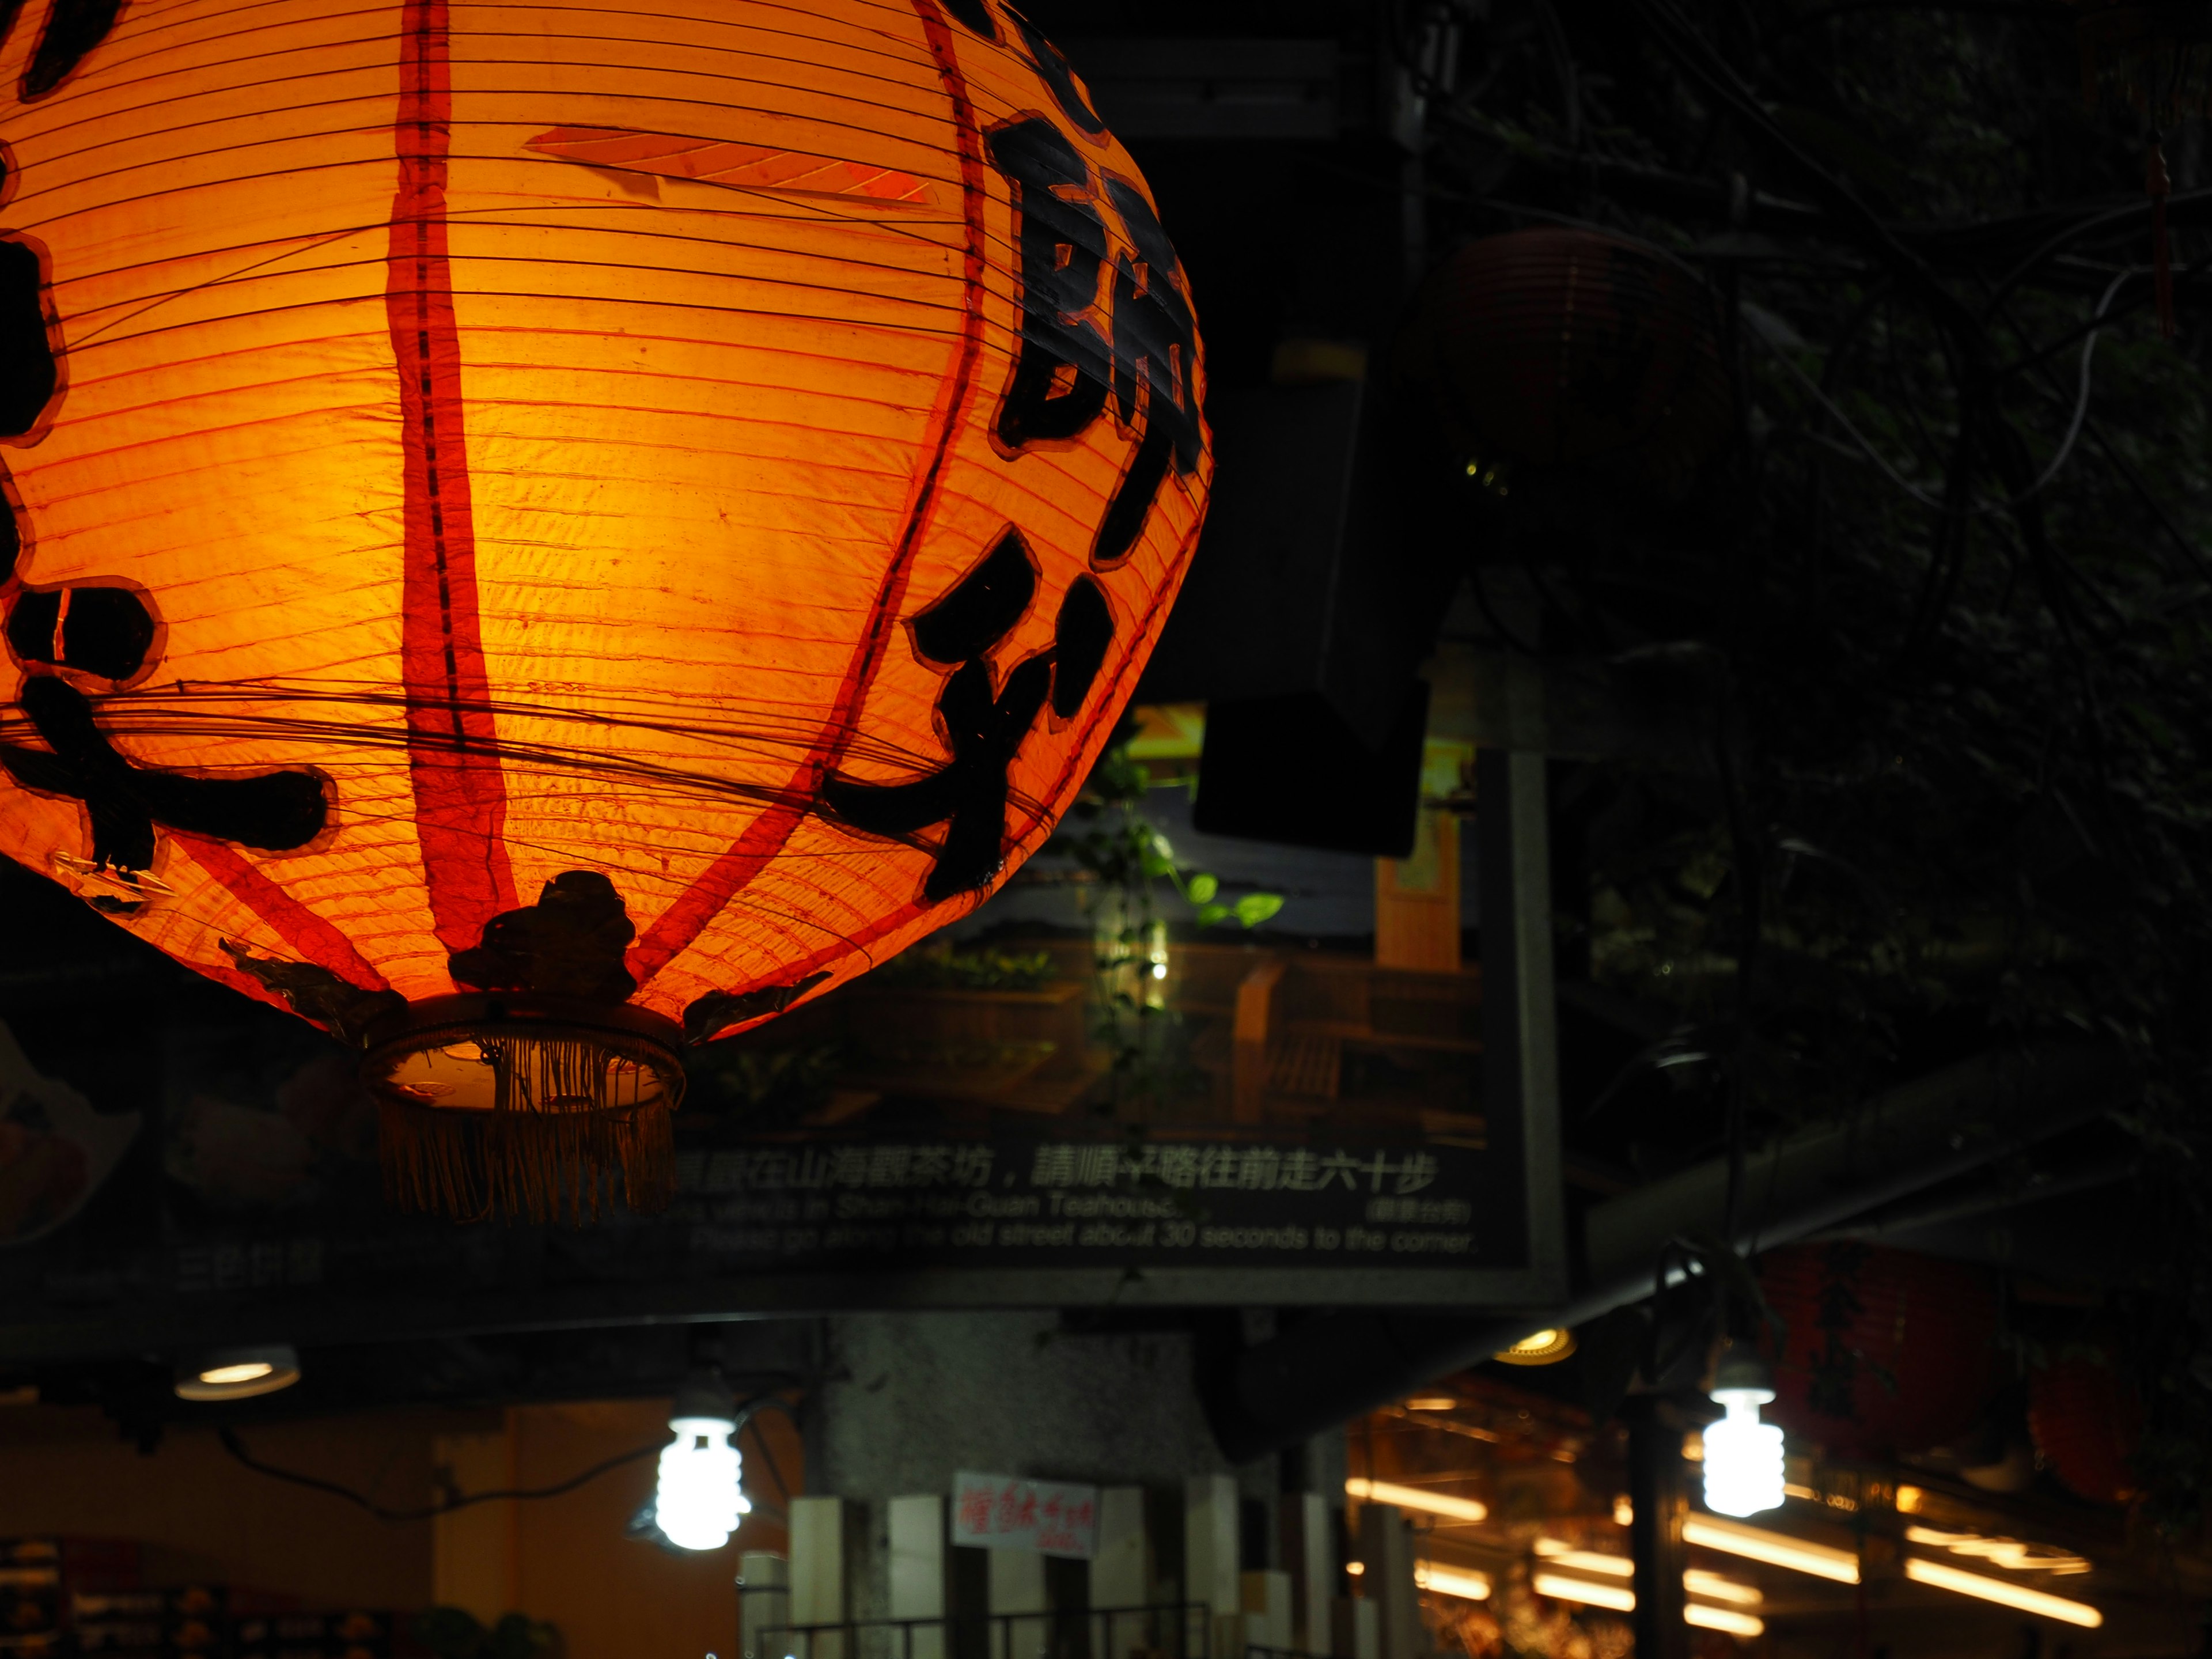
1256, 908
1203, 887
1210, 914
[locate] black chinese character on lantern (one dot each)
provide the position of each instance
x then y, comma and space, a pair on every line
981, 717
1051, 66
1146, 356
101, 630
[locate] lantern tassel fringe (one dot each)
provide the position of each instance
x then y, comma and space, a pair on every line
544, 1151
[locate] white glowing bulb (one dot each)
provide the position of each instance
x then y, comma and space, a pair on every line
1743, 1455
698, 1501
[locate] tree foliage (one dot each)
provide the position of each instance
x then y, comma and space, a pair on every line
1943, 613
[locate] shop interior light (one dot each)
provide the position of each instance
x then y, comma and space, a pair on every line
237, 1373
1432, 1402
1776, 1549
1619, 1598
2008, 1553
1452, 1581
1416, 1497
700, 1497
1742, 1455
1624, 1512
1545, 1348
2039, 1602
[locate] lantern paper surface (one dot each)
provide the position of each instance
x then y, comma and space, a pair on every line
658, 505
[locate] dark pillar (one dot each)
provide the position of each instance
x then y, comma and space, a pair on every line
1520, 1027
1655, 1536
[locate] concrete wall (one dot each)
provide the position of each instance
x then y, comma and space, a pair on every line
911, 1399
915, 1397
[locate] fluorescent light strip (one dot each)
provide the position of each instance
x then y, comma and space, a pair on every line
1936, 1575
1727, 1618
1618, 1597
1555, 1553
1621, 1598
1756, 1544
1416, 1498
1714, 1588
1612, 1566
2007, 1552
1450, 1581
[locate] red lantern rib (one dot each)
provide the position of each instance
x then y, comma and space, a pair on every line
734, 870
315, 940
453, 747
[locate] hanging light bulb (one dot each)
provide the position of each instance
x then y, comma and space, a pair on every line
699, 1500
1743, 1455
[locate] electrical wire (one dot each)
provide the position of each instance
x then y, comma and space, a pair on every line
236, 1448
746, 1412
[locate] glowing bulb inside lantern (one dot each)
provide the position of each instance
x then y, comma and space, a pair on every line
1743, 1455
698, 1501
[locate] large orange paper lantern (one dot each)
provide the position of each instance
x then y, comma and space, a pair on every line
542, 533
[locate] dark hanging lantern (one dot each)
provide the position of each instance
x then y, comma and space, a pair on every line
1569, 348
1884, 1351
2161, 56
2086, 1418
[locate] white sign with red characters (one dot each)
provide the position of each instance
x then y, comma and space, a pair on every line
1001, 1512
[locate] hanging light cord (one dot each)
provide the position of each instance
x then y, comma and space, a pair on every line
236, 1448
746, 1412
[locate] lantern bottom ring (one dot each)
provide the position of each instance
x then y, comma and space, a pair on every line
525, 1105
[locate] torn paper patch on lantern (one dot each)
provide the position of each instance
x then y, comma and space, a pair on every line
733, 166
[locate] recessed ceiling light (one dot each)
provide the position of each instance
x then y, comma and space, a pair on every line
237, 1373
1545, 1348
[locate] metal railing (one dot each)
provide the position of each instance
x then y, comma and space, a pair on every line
1173, 1630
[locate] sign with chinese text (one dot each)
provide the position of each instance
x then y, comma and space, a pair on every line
249, 1198
1004, 1512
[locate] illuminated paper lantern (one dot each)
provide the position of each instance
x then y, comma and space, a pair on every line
2087, 1420
1885, 1350
539, 534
